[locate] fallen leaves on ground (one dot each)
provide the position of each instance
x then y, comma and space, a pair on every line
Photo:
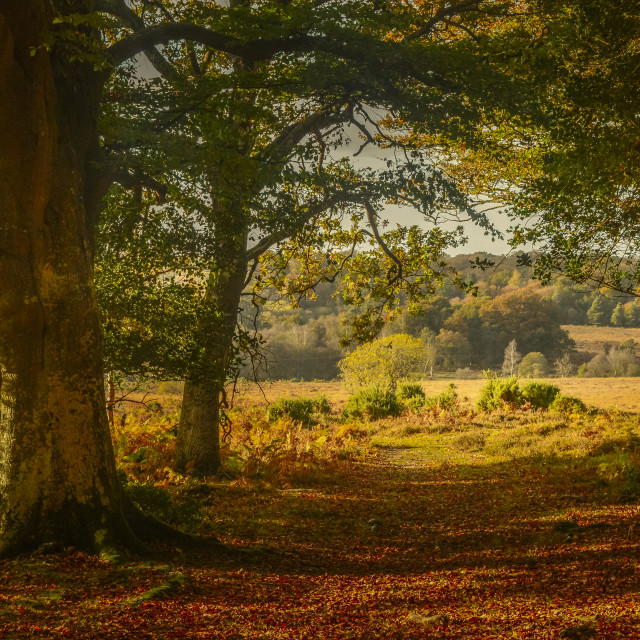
385, 549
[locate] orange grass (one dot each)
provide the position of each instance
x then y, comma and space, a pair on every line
593, 339
604, 393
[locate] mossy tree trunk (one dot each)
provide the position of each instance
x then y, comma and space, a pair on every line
58, 478
198, 446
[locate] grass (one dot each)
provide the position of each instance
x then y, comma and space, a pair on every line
593, 339
621, 394
507, 524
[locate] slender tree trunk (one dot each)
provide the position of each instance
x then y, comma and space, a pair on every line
198, 446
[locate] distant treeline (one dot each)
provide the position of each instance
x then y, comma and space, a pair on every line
462, 332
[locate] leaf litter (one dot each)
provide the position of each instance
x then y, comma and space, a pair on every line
388, 547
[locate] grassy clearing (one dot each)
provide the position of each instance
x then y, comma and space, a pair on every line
622, 394
593, 339
439, 524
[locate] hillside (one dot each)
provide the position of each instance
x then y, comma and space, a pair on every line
593, 340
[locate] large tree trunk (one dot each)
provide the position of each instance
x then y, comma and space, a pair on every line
198, 446
58, 481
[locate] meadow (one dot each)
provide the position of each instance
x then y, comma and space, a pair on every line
437, 523
593, 339
621, 394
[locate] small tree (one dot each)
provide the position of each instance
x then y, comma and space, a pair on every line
383, 363
431, 351
511, 359
533, 365
599, 313
599, 366
563, 366
632, 313
618, 317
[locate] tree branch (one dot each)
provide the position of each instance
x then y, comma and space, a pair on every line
278, 236
138, 179
164, 33
445, 12
119, 9
394, 274
280, 148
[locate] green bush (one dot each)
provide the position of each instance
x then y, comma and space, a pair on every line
383, 362
540, 395
499, 393
408, 390
299, 409
446, 400
568, 404
372, 403
411, 395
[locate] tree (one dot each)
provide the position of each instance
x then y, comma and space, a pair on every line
563, 366
453, 349
58, 478
618, 317
511, 359
599, 366
260, 138
584, 195
599, 312
384, 362
632, 314
533, 365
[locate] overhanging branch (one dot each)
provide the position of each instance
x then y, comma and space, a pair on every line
442, 14
164, 33
395, 274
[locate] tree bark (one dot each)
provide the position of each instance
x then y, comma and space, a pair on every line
198, 445
58, 481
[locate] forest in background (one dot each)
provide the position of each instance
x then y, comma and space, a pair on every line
463, 334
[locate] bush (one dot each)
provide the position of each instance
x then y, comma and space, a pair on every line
411, 395
470, 442
408, 390
499, 393
445, 401
372, 403
383, 362
568, 405
540, 395
533, 365
299, 409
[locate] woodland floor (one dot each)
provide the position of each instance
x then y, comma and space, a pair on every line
516, 549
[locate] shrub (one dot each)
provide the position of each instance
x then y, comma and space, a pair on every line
499, 393
470, 442
299, 409
540, 395
383, 362
568, 404
408, 390
533, 365
411, 395
445, 400
372, 403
